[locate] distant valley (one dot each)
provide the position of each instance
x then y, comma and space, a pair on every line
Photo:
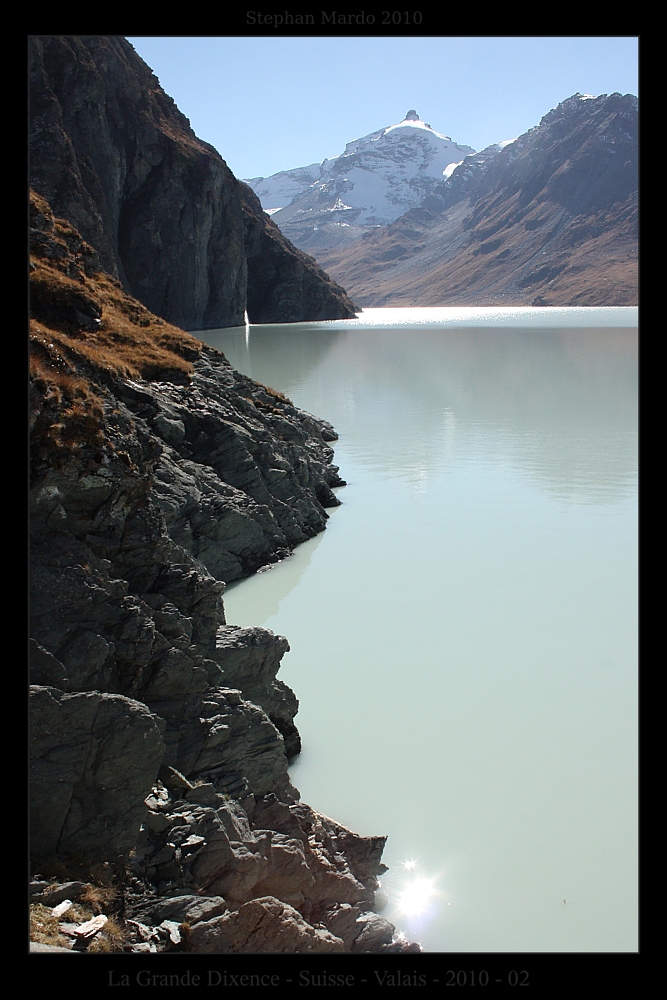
405, 216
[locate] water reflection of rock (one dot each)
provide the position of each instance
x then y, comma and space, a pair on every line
257, 599
560, 403
282, 356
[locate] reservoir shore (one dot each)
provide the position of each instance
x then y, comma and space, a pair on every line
160, 734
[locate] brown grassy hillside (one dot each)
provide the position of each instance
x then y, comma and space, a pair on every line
85, 331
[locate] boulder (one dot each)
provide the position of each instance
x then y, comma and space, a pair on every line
94, 757
264, 925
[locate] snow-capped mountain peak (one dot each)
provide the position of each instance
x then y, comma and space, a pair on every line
412, 120
376, 179
408, 126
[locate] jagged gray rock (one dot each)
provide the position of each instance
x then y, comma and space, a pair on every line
230, 851
186, 909
250, 659
130, 543
248, 475
373, 931
265, 925
93, 760
52, 895
144, 678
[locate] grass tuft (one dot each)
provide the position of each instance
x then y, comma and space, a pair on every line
102, 893
44, 927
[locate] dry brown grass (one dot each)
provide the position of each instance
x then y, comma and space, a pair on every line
127, 342
98, 898
276, 394
110, 939
101, 893
100, 874
69, 409
185, 929
44, 927
73, 359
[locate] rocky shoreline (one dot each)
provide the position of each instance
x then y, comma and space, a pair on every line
160, 734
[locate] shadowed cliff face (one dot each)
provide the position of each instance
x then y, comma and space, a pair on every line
112, 153
281, 278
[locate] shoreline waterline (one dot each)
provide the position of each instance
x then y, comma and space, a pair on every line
493, 317
463, 634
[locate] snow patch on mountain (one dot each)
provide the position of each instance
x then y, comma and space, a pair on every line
279, 189
450, 168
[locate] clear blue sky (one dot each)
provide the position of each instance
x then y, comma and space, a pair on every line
272, 103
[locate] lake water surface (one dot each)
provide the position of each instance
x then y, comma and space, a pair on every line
464, 633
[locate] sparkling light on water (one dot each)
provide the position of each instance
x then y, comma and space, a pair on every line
412, 897
417, 896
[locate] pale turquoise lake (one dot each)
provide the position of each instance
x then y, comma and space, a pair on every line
464, 633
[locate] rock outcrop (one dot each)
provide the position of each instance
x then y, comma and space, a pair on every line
81, 800
111, 152
160, 734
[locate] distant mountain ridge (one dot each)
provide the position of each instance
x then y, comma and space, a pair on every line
548, 219
374, 181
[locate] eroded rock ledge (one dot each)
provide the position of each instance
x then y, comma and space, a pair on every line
160, 734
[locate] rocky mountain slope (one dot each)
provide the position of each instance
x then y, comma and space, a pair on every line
375, 180
111, 152
549, 219
160, 734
